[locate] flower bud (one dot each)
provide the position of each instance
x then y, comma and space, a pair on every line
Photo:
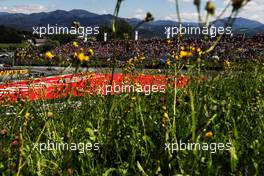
209, 134
210, 7
15, 143
197, 2
237, 4
50, 114
3, 132
149, 17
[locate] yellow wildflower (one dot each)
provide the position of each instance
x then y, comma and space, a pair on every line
209, 134
142, 58
82, 57
185, 54
227, 64
87, 58
199, 51
168, 62
134, 98
49, 55
50, 114
176, 57
166, 115
91, 52
75, 44
27, 115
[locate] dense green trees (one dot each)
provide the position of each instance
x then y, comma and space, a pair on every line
10, 35
123, 27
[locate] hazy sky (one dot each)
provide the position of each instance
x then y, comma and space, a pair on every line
161, 9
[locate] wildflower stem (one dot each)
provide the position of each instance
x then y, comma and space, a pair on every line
141, 115
175, 74
175, 103
193, 115
116, 12
178, 11
223, 11
20, 151
207, 20
229, 22
37, 141
199, 14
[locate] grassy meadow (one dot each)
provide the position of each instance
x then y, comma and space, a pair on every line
220, 114
132, 131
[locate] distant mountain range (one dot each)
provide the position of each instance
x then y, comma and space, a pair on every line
65, 18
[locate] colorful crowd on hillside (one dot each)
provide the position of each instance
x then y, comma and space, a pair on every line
230, 48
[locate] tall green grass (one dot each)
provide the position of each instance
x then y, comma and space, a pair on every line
132, 131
